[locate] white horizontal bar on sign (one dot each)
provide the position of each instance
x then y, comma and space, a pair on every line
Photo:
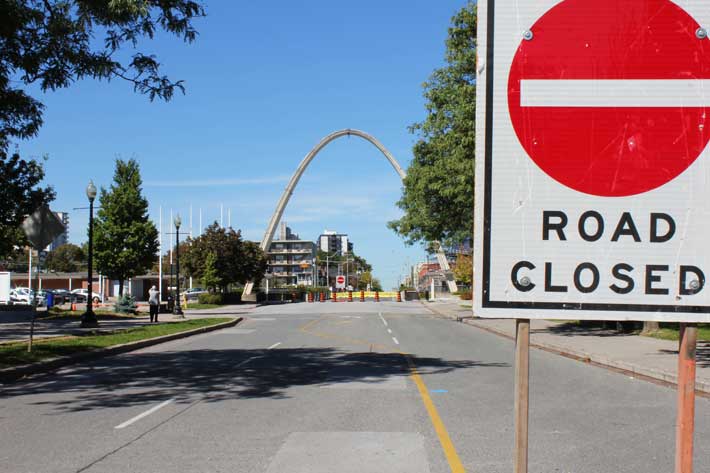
615, 93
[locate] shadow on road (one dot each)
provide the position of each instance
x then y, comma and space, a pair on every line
137, 379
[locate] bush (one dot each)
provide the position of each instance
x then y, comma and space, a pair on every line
466, 295
126, 305
211, 298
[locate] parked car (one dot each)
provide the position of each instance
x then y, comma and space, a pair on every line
62, 296
194, 293
23, 295
82, 294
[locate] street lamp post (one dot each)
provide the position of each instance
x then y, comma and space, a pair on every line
177, 310
89, 317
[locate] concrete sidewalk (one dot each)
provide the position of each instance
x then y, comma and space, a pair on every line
644, 356
16, 327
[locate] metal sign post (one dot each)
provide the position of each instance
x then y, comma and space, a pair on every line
592, 157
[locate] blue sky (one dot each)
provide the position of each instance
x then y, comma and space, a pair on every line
265, 82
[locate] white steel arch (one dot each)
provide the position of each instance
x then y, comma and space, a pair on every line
288, 192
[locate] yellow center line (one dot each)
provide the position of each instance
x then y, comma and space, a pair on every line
447, 445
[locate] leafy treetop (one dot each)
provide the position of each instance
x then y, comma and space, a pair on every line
53, 43
437, 198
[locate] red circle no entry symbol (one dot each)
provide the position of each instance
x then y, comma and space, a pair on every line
611, 98
340, 279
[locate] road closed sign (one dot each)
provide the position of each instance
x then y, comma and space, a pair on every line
340, 282
592, 160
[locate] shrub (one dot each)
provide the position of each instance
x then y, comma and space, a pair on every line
466, 295
126, 304
211, 298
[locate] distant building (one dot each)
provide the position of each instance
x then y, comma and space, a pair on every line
290, 259
62, 239
333, 242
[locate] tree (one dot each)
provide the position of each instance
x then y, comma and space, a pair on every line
366, 279
209, 273
51, 44
236, 261
437, 197
66, 258
125, 240
463, 271
20, 194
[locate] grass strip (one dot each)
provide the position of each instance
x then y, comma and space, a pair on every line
672, 332
198, 306
14, 354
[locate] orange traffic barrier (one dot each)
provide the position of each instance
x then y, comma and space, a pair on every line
322, 296
377, 296
350, 296
362, 296
310, 297
335, 297
399, 296
73, 306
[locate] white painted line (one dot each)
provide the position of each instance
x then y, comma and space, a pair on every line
615, 93
382, 318
144, 414
389, 330
246, 361
395, 340
274, 345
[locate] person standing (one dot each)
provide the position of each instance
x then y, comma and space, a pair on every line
154, 303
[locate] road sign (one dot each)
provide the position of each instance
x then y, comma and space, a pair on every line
42, 227
340, 282
591, 160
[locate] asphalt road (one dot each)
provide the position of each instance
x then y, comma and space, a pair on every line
327, 387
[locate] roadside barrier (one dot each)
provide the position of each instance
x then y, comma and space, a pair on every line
322, 296
310, 297
335, 297
350, 296
377, 296
399, 296
362, 296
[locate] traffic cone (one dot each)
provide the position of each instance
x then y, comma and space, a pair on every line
399, 296
377, 296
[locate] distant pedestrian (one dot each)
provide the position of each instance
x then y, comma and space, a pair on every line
154, 303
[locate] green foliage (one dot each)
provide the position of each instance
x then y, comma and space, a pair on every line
235, 260
125, 239
438, 191
215, 299
52, 44
66, 258
209, 274
125, 304
466, 295
463, 270
367, 278
20, 193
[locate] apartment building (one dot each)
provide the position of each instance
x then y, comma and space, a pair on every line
290, 259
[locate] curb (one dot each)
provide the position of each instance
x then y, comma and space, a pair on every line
15, 373
702, 387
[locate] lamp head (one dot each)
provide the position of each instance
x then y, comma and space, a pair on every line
91, 191
177, 221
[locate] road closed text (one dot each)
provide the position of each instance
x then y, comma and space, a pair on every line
650, 278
